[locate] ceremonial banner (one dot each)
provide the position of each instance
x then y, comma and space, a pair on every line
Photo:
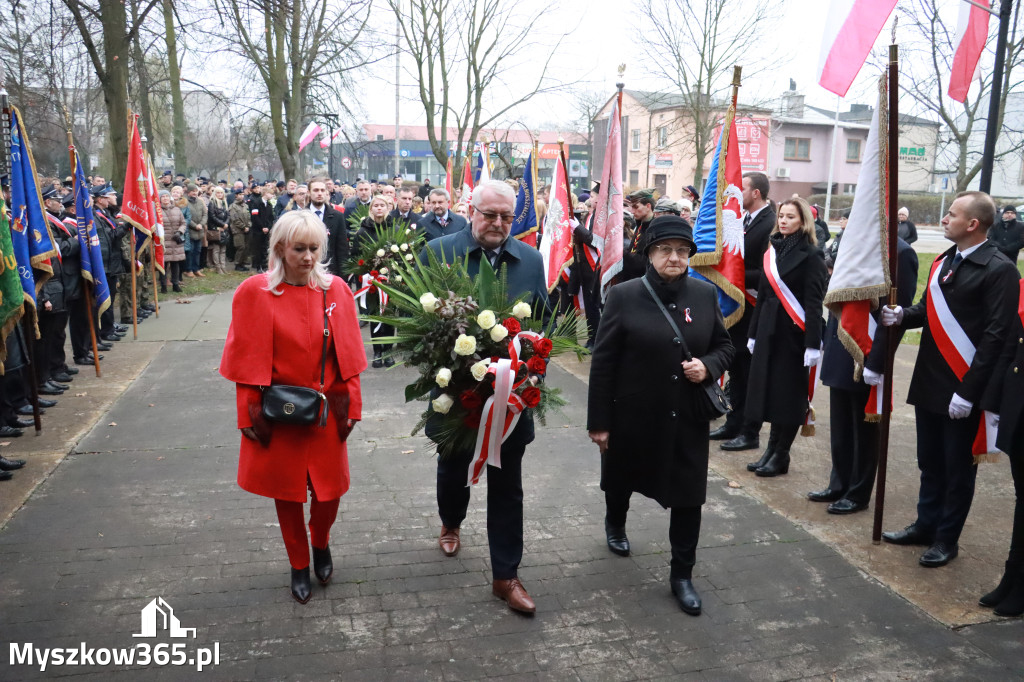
11, 294
92, 260
32, 243
850, 32
135, 207
467, 180
525, 225
860, 275
448, 179
608, 223
483, 163
556, 242
718, 229
156, 215
309, 134
971, 33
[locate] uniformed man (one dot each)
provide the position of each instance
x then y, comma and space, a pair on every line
112, 235
634, 260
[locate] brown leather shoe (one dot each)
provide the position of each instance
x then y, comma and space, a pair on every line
513, 592
449, 541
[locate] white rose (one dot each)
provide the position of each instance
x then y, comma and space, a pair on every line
465, 345
486, 319
442, 403
405, 246
429, 302
479, 370
394, 248
408, 230
521, 310
408, 256
383, 271
444, 375
398, 278
498, 332
380, 253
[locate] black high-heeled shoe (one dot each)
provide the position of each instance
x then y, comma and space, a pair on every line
323, 566
301, 589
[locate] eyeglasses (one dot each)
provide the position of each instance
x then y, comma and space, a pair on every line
665, 250
507, 219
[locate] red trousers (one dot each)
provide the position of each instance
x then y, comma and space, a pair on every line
321, 517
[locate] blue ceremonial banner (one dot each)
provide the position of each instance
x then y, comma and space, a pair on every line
526, 211
92, 259
30, 231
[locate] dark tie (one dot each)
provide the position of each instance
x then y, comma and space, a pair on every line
320, 214
957, 259
443, 221
746, 222
492, 257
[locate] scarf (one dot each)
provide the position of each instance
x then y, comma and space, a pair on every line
668, 292
785, 244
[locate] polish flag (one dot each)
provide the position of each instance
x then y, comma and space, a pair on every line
556, 242
309, 134
326, 142
971, 32
850, 32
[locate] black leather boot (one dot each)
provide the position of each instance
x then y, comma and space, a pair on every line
323, 567
1012, 605
773, 440
779, 462
1003, 588
617, 540
301, 589
686, 595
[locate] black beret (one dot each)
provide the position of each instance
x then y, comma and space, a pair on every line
670, 227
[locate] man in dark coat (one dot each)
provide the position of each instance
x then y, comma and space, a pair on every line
634, 258
362, 197
738, 432
261, 208
979, 287
439, 221
111, 234
854, 439
337, 230
586, 274
1008, 234
403, 212
425, 188
492, 213
68, 272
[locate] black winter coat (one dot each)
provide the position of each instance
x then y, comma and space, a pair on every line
777, 390
66, 284
1006, 391
110, 234
1008, 236
657, 446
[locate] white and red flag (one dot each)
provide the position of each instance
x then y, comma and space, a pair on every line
326, 141
448, 179
556, 239
608, 223
850, 32
156, 215
971, 33
309, 134
467, 180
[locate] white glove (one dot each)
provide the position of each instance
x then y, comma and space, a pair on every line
872, 378
959, 408
750, 346
891, 316
995, 420
811, 357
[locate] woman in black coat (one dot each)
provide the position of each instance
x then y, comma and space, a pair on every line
370, 229
782, 351
643, 408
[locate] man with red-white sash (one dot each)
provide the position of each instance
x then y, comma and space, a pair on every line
966, 312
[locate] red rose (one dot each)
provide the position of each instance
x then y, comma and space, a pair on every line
472, 420
362, 262
531, 396
536, 365
471, 400
374, 273
512, 325
542, 347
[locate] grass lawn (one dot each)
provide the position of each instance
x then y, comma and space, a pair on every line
211, 284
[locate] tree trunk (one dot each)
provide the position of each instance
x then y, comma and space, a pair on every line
115, 83
177, 104
143, 96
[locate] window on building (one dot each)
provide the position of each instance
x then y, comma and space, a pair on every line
850, 188
798, 149
380, 138
634, 178
636, 140
853, 151
663, 136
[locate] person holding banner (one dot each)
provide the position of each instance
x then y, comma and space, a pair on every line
369, 229
785, 334
967, 311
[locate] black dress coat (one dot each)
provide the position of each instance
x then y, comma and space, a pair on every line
337, 239
432, 228
1006, 391
657, 446
777, 390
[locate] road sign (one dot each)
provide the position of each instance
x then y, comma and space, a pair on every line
346, 162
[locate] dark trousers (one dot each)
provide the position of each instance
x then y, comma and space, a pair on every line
378, 329
1017, 537
107, 318
683, 530
48, 356
175, 267
259, 251
739, 375
78, 325
504, 504
947, 473
854, 444
590, 293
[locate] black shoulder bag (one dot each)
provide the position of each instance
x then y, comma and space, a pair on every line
713, 403
298, 404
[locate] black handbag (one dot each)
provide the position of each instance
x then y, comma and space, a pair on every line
298, 404
713, 402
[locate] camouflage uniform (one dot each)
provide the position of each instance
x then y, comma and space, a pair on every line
142, 284
240, 222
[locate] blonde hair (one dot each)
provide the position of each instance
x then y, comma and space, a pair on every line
806, 219
297, 226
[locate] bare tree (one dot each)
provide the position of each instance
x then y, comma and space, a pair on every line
926, 62
177, 101
694, 44
464, 50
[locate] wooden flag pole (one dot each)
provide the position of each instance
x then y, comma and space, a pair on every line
28, 324
135, 300
892, 171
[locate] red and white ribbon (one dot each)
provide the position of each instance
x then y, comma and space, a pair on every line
370, 282
785, 294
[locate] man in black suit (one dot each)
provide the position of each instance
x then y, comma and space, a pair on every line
738, 432
403, 208
262, 210
439, 221
972, 297
854, 439
334, 221
362, 197
492, 213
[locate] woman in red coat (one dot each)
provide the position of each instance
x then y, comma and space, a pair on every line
277, 337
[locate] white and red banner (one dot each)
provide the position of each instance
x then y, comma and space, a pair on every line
556, 239
971, 33
309, 134
608, 223
850, 32
326, 141
467, 181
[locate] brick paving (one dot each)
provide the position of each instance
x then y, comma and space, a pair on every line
150, 508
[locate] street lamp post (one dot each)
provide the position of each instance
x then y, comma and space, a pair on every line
331, 119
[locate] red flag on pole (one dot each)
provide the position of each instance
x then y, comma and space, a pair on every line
556, 242
608, 223
448, 179
156, 215
467, 179
134, 206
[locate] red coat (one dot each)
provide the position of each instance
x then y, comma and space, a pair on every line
279, 339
